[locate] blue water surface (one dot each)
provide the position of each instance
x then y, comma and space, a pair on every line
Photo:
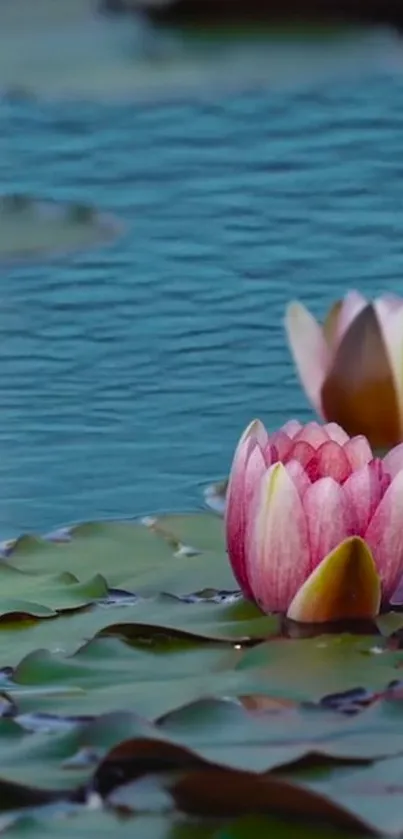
127, 373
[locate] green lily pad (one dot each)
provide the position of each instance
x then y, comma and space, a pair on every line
62, 760
151, 620
215, 495
373, 793
309, 669
102, 824
31, 228
43, 595
200, 531
130, 556
108, 675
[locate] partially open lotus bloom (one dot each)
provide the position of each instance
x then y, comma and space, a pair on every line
314, 523
352, 366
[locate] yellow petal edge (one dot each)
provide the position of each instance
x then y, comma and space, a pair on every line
345, 585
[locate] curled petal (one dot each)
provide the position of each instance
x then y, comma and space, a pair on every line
352, 305
298, 476
247, 466
312, 433
291, 428
330, 325
385, 536
309, 349
344, 586
281, 443
329, 461
358, 451
391, 322
302, 451
255, 430
336, 432
393, 460
390, 302
359, 391
328, 518
277, 548
363, 491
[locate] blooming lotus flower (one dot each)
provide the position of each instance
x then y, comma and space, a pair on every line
352, 366
314, 523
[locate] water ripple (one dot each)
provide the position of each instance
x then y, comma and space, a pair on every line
127, 375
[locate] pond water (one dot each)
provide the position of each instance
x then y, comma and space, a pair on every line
128, 372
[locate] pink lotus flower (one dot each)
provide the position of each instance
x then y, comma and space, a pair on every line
314, 524
352, 366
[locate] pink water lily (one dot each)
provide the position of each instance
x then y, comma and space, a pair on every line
352, 366
314, 523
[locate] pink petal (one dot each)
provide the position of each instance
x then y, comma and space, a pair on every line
364, 490
358, 451
352, 305
302, 452
248, 464
393, 461
298, 476
336, 432
281, 443
391, 323
385, 536
329, 461
309, 349
312, 433
276, 541
385, 307
328, 518
391, 302
291, 428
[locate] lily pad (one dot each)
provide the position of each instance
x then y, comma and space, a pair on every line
108, 675
309, 669
131, 556
73, 51
52, 762
203, 695
43, 595
31, 228
164, 618
102, 824
214, 496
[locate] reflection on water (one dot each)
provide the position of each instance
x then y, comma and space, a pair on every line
128, 373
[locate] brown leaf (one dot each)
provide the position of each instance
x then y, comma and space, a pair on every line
141, 756
230, 792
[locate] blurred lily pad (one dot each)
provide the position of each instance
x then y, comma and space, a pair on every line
47, 761
71, 50
214, 496
102, 824
32, 228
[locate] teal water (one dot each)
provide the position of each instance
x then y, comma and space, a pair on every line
127, 374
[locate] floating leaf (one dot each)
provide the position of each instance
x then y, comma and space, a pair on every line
108, 675
43, 595
30, 228
129, 556
310, 669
